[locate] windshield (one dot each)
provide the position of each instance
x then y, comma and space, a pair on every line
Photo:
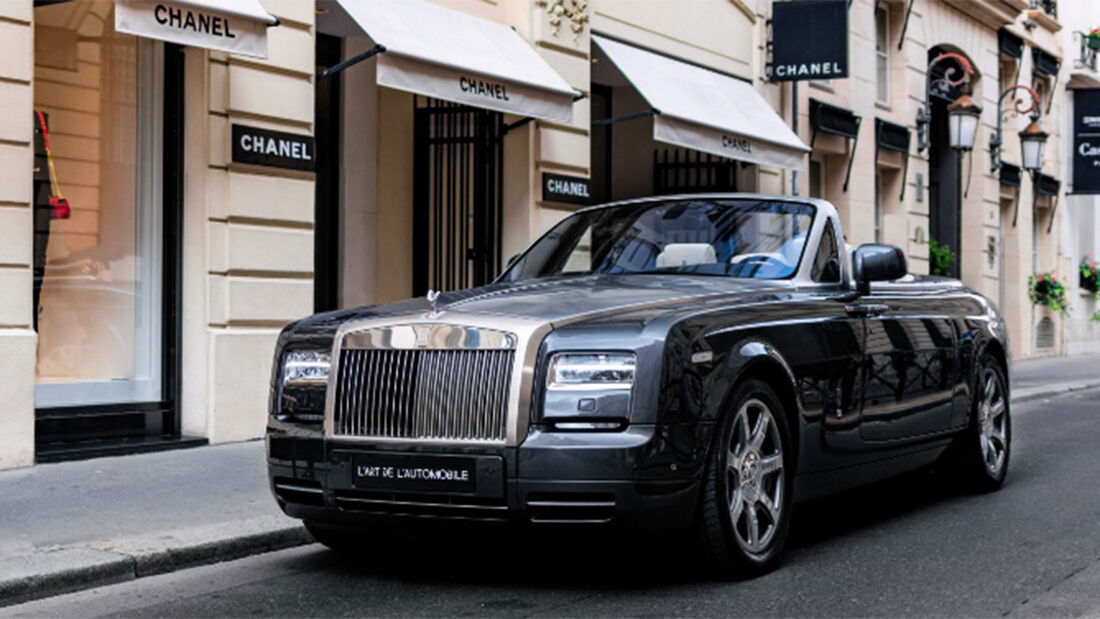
758, 239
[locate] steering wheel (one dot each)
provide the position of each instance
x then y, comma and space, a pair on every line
750, 264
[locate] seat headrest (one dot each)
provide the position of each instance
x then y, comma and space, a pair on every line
684, 254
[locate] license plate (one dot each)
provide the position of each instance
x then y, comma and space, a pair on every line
415, 472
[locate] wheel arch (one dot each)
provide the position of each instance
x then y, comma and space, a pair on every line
758, 360
997, 350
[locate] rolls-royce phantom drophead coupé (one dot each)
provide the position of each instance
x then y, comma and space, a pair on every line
690, 363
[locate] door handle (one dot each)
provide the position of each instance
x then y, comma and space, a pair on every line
866, 310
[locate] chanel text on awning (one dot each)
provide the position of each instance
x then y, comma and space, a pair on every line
483, 88
187, 19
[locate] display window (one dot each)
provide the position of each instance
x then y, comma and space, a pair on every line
98, 230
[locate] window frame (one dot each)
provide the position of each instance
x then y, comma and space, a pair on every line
882, 55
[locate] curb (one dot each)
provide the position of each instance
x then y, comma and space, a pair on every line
66, 570
1039, 393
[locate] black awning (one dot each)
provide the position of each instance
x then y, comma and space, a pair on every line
1009, 44
1047, 185
1010, 175
1044, 63
891, 136
834, 120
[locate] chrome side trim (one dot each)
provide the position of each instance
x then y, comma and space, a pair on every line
524, 335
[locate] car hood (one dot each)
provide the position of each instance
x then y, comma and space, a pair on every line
564, 299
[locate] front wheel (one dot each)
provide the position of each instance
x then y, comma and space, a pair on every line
746, 501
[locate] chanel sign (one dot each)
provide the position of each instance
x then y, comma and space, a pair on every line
1086, 141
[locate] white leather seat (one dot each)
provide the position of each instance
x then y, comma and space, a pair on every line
684, 254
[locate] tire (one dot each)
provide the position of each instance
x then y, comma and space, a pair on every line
984, 448
748, 480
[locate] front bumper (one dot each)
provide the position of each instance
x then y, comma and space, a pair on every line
628, 479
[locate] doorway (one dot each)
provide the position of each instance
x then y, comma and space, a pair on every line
327, 129
458, 161
945, 193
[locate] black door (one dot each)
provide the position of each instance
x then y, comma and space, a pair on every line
944, 167
326, 232
457, 208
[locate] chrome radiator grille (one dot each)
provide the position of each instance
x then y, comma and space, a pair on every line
414, 394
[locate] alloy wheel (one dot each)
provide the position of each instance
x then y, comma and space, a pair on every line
754, 476
993, 423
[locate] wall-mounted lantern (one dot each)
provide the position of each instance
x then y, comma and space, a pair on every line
963, 117
960, 119
1032, 139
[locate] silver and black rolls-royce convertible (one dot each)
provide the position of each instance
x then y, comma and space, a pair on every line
678, 363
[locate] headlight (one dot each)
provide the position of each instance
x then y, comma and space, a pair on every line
306, 368
591, 371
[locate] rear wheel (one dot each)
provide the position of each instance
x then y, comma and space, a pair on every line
746, 502
985, 447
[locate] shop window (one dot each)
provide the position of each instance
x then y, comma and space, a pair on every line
882, 55
97, 262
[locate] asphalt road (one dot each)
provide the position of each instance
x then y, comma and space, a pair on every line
904, 548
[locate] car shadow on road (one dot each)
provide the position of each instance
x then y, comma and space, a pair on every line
597, 560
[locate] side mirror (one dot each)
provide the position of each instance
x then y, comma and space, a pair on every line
873, 262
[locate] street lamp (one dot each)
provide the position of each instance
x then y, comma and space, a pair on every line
962, 123
1032, 139
945, 84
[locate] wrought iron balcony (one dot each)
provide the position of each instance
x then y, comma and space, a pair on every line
1086, 58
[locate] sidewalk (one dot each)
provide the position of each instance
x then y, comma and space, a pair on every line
1033, 379
77, 525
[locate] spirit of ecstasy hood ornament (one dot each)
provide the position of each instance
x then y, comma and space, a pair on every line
433, 296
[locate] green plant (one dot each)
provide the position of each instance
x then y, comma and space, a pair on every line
1045, 289
1094, 38
1090, 281
940, 257
1087, 270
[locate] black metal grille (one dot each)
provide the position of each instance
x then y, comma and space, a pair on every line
678, 170
457, 206
423, 394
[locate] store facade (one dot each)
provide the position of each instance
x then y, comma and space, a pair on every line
999, 225
338, 153
140, 269
1081, 231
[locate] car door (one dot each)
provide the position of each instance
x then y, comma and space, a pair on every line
910, 354
831, 373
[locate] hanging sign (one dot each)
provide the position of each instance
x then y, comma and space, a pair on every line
278, 149
200, 24
567, 189
1086, 141
809, 40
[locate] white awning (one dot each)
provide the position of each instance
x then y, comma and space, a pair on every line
235, 26
705, 110
450, 55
